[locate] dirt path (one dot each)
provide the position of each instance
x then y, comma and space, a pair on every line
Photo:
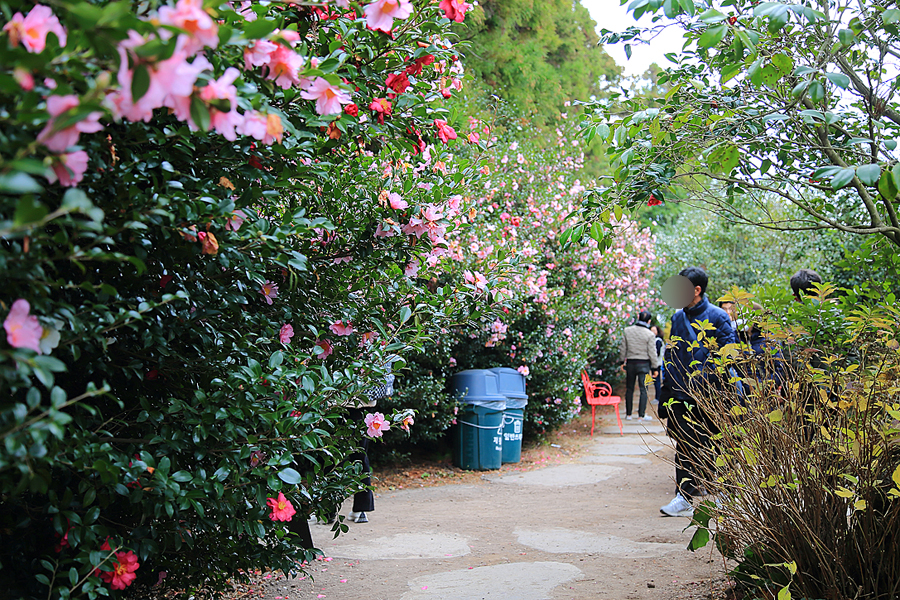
585, 526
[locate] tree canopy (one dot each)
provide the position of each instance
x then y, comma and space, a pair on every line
775, 100
538, 54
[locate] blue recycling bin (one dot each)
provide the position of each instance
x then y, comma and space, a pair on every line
511, 384
478, 439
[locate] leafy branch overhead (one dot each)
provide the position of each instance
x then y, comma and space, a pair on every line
782, 103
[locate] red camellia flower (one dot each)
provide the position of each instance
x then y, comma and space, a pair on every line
455, 10
653, 201
381, 107
352, 110
398, 82
282, 509
122, 574
416, 67
254, 162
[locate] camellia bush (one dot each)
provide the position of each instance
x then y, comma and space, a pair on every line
220, 224
559, 306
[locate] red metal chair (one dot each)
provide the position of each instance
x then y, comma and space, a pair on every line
599, 393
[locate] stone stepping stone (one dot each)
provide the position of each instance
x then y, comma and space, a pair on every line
628, 428
571, 541
624, 449
511, 581
404, 546
561, 475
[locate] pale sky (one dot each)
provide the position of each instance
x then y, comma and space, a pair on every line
610, 15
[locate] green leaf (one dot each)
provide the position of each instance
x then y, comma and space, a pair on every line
838, 79
869, 174
182, 476
276, 359
259, 28
200, 113
783, 63
886, 186
890, 16
19, 183
688, 6
289, 476
799, 89
784, 593
724, 158
816, 91
140, 82
842, 178
405, 314
711, 16
895, 174
28, 210
846, 37
699, 539
712, 36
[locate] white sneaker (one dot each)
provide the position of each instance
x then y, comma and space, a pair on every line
628, 417
647, 418
358, 517
678, 507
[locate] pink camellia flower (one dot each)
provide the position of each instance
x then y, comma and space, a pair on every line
397, 203
122, 574
282, 509
376, 425
266, 128
367, 338
444, 132
473, 138
59, 141
32, 29
341, 328
189, 15
524, 370
269, 290
399, 82
286, 333
326, 347
209, 243
407, 421
217, 90
412, 269
68, 168
235, 221
329, 98
22, 329
455, 10
24, 78
259, 54
380, 14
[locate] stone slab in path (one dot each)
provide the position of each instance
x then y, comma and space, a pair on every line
572, 541
511, 581
624, 449
562, 475
405, 546
628, 428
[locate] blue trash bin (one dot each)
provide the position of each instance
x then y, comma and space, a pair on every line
511, 384
478, 439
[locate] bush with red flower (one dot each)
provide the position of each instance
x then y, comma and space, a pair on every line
201, 266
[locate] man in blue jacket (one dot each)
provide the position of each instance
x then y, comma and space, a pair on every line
687, 423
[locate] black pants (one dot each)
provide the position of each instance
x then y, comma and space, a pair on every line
636, 369
363, 501
691, 430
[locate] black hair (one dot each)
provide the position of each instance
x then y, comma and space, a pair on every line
659, 332
724, 302
803, 280
697, 276
645, 316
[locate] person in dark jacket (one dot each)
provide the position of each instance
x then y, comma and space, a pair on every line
687, 424
660, 353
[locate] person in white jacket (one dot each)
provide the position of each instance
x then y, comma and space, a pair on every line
637, 352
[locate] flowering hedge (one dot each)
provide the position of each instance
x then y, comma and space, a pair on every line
559, 306
220, 223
